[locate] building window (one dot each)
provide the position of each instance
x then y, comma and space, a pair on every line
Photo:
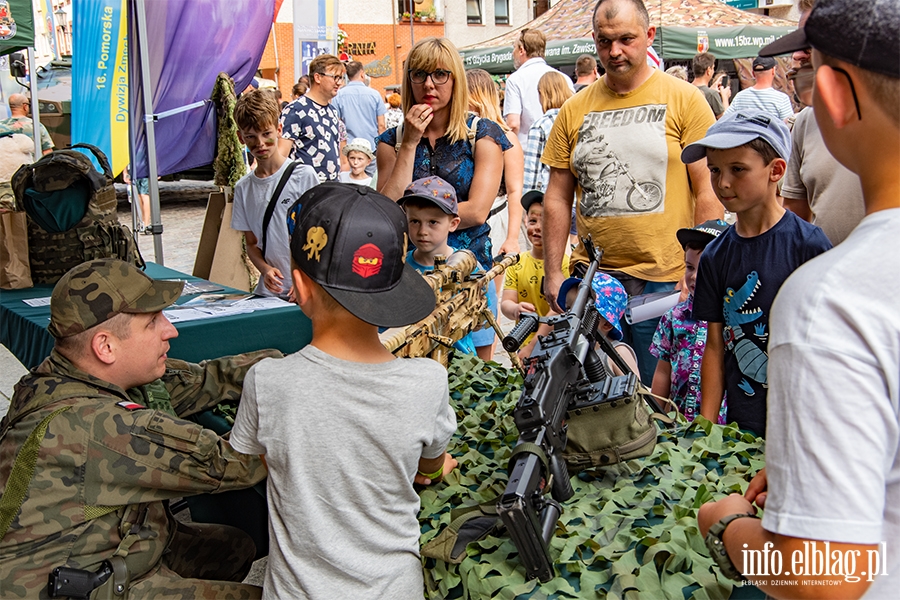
473, 11
501, 12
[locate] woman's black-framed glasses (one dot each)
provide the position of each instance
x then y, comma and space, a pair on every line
438, 76
852, 89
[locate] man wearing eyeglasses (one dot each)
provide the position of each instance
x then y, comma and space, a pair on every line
313, 125
20, 122
521, 104
816, 187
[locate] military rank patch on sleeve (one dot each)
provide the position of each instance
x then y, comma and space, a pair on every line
129, 405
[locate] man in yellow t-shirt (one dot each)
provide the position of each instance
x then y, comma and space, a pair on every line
619, 143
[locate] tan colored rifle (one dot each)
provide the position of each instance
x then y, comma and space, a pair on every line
461, 308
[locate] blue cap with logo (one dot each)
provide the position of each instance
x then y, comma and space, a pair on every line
739, 128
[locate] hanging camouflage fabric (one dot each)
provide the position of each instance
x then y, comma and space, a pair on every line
71, 211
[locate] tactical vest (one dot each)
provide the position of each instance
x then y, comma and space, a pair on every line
71, 211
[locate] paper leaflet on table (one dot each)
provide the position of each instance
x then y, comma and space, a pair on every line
650, 306
209, 306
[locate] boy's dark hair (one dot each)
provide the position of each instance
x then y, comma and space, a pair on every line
884, 89
702, 62
353, 68
698, 246
257, 109
585, 65
764, 149
422, 203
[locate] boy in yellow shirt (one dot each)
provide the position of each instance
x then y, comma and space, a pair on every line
523, 290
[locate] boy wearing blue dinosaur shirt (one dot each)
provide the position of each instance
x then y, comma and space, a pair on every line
741, 271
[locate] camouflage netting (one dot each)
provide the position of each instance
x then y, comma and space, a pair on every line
229, 164
630, 530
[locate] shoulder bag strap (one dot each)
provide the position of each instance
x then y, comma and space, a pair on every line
270, 209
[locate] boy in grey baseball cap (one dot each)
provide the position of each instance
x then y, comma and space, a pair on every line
740, 273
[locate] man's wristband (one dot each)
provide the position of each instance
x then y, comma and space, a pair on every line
716, 546
432, 476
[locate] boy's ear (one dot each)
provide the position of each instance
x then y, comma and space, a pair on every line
241, 136
278, 129
777, 169
833, 89
454, 223
302, 290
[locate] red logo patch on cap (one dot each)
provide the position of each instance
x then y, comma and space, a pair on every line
367, 260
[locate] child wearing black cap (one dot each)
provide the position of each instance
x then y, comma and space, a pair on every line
740, 273
345, 427
523, 288
680, 339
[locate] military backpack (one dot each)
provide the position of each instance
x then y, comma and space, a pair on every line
71, 211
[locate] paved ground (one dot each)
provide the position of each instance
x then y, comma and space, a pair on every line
183, 208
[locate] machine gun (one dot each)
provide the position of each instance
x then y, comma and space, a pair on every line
461, 296
563, 373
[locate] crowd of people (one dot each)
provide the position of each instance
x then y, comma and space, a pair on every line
787, 321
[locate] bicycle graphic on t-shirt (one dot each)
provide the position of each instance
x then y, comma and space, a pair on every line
642, 196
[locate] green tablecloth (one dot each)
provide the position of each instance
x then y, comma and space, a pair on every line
629, 531
23, 329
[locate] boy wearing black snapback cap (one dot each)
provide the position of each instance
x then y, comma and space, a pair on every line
345, 426
740, 273
680, 339
832, 477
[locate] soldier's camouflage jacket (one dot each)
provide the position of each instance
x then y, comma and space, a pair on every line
104, 465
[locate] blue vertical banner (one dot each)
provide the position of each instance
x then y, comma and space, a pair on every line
100, 77
315, 31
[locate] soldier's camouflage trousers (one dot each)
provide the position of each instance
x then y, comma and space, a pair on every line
203, 561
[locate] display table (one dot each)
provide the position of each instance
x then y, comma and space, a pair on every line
23, 329
628, 532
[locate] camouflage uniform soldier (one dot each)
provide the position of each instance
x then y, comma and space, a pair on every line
116, 447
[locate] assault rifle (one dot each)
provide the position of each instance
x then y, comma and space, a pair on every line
461, 296
563, 373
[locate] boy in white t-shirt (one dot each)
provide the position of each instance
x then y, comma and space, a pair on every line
345, 427
359, 155
256, 114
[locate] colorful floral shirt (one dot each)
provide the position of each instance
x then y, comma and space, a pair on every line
681, 340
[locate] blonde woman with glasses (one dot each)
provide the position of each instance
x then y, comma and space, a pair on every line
434, 140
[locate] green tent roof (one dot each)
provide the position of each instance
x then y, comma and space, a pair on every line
683, 28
